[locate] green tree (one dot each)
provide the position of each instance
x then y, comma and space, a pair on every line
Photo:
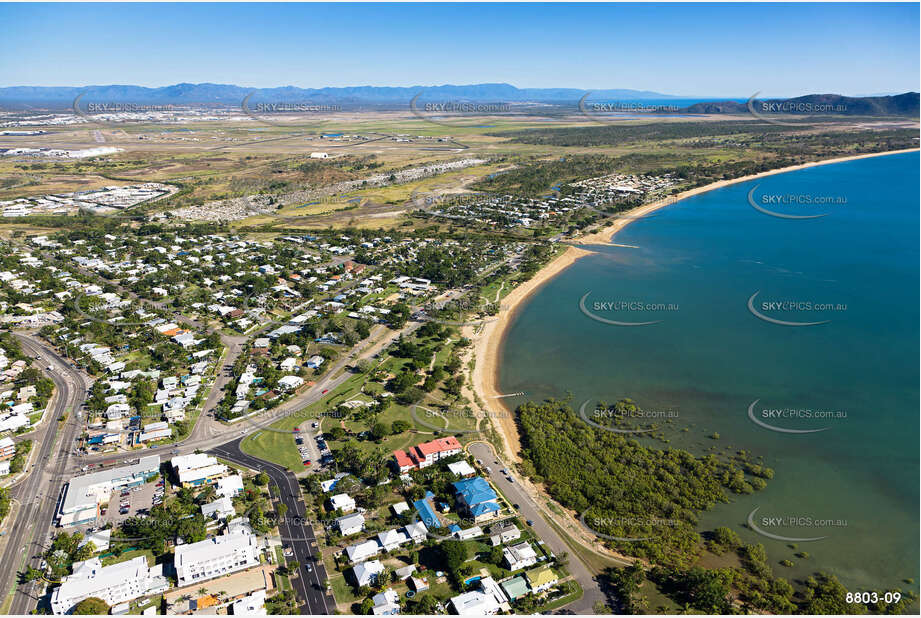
91, 606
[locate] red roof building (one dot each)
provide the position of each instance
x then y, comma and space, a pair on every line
423, 455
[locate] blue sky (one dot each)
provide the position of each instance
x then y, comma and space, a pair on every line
682, 49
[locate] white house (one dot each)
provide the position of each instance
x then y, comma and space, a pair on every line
351, 524
461, 468
468, 533
290, 383
230, 486
366, 573
362, 551
252, 605
386, 603
343, 502
417, 531
519, 556
392, 539
219, 509
488, 600
500, 534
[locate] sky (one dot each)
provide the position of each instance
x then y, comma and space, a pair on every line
701, 50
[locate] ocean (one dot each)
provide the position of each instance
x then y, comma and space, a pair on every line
794, 339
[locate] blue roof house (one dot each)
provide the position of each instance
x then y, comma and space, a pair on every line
427, 513
477, 498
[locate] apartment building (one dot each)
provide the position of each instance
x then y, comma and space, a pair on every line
424, 455
215, 557
113, 584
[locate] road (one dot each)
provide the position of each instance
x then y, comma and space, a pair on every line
39, 491
294, 528
528, 509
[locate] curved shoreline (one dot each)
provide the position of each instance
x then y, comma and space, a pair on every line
488, 349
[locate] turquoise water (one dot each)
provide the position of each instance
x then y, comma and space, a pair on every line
707, 357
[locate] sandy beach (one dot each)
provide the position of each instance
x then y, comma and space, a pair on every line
489, 341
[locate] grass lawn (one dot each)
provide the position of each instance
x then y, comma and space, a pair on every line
274, 446
280, 448
138, 607
128, 555
342, 590
566, 600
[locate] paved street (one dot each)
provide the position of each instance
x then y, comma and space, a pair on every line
38, 493
529, 511
294, 529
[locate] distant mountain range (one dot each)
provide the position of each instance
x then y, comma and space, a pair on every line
59, 97
897, 105
229, 94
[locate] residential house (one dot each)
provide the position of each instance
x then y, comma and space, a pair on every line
477, 498
362, 551
503, 532
541, 579
515, 588
488, 600
366, 573
519, 556
350, 524
386, 603
343, 502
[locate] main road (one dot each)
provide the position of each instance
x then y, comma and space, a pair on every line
294, 528
37, 493
529, 510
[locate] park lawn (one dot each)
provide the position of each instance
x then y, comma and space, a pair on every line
279, 447
275, 446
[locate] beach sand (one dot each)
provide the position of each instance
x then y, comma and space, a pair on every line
489, 342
